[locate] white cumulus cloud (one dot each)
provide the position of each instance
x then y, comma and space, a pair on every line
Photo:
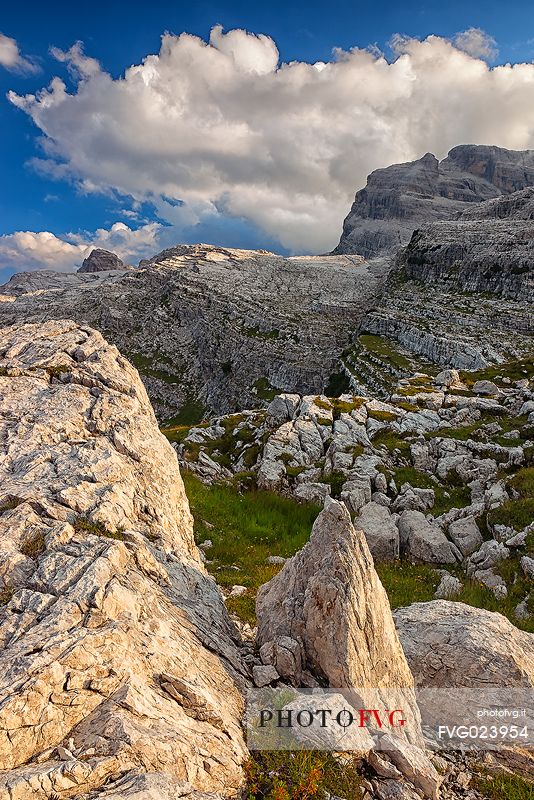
11, 58
30, 250
226, 129
477, 43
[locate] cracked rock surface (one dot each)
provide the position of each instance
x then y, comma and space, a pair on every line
118, 663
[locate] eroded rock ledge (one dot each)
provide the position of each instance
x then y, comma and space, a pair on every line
119, 666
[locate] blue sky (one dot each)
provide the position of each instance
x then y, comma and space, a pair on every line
121, 34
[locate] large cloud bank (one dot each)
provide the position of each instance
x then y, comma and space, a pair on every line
226, 129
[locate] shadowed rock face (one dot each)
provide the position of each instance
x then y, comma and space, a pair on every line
402, 197
489, 248
117, 656
101, 261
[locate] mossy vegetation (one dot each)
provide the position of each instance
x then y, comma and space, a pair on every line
476, 431
6, 595
264, 390
386, 349
157, 366
392, 441
9, 505
192, 412
382, 416
515, 370
516, 514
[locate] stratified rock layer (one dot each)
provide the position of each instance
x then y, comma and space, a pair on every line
212, 328
117, 656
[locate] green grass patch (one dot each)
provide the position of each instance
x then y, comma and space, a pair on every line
300, 775
176, 433
382, 416
192, 412
264, 390
523, 482
6, 595
407, 583
414, 477
515, 513
448, 497
34, 546
504, 787
146, 366
515, 370
335, 480
248, 528
386, 350
392, 441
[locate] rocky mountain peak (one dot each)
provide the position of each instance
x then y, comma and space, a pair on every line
100, 260
400, 198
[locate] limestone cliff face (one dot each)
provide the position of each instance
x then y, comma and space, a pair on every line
210, 327
402, 197
490, 248
118, 662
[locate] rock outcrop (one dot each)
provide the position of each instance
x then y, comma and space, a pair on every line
213, 329
487, 249
102, 261
119, 666
450, 644
328, 609
403, 197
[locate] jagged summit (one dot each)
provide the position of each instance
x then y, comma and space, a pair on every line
398, 199
100, 260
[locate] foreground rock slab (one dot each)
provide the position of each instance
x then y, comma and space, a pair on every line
116, 653
450, 644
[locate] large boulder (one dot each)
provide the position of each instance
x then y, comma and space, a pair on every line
466, 535
450, 644
329, 601
380, 530
116, 652
422, 541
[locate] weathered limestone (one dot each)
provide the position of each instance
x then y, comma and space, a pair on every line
214, 328
329, 600
450, 644
422, 541
116, 652
380, 531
